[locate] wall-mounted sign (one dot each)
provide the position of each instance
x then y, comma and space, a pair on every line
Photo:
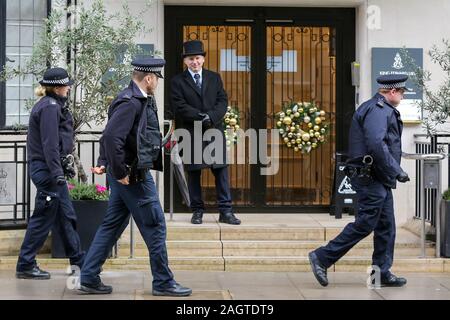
389, 61
230, 61
8, 180
124, 58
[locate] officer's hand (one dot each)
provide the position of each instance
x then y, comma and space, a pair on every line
60, 180
98, 170
125, 181
70, 172
403, 177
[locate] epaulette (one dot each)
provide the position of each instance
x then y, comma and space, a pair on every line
380, 103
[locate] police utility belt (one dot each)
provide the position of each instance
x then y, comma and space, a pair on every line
361, 168
136, 175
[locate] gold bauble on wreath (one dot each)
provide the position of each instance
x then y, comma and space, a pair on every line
302, 125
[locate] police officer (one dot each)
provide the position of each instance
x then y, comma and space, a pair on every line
49, 145
130, 147
375, 136
197, 95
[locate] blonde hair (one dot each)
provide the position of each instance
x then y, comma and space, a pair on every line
41, 91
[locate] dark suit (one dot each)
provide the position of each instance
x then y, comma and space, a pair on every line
188, 101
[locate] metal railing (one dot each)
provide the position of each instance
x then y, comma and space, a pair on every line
87, 146
14, 151
439, 143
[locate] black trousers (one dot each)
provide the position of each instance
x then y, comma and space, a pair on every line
52, 208
375, 214
222, 190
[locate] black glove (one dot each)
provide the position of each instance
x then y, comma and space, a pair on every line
60, 180
403, 177
206, 121
70, 172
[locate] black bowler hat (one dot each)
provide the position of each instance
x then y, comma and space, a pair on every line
56, 77
393, 81
150, 65
193, 48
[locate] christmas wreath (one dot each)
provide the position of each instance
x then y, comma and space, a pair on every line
231, 123
302, 126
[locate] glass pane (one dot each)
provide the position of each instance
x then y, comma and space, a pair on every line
26, 92
26, 9
300, 69
12, 34
12, 107
12, 92
12, 9
26, 34
40, 9
12, 120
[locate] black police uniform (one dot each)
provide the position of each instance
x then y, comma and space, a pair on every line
375, 131
50, 137
131, 146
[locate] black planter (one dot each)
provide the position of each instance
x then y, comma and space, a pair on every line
90, 214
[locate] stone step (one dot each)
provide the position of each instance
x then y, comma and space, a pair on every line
186, 263
353, 264
177, 249
263, 248
273, 264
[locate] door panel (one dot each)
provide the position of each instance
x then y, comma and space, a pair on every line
301, 67
228, 53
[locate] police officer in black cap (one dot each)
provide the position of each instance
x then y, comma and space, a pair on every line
374, 168
49, 145
130, 147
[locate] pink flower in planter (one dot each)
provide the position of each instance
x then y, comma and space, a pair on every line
100, 189
70, 186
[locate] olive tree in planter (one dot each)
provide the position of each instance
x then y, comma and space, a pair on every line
97, 47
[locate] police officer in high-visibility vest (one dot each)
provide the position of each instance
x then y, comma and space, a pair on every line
374, 168
130, 147
49, 146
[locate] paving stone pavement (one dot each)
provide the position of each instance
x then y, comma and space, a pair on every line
136, 285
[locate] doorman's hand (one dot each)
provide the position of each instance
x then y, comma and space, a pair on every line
206, 121
125, 181
403, 177
98, 170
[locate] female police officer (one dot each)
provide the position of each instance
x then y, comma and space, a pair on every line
49, 141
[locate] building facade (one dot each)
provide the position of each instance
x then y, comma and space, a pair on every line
269, 54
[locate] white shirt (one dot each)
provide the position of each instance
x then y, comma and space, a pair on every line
142, 91
193, 73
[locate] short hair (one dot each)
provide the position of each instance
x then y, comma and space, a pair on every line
384, 90
140, 75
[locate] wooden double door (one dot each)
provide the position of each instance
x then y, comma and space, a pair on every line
267, 58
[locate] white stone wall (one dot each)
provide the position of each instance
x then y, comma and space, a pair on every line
410, 23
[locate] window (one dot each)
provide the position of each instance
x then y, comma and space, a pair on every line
22, 25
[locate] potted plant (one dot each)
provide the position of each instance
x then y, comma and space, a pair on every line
90, 202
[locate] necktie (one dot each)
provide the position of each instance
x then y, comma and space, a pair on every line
197, 81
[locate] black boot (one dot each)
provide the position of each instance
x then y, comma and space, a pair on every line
197, 217
229, 217
99, 288
33, 274
320, 272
